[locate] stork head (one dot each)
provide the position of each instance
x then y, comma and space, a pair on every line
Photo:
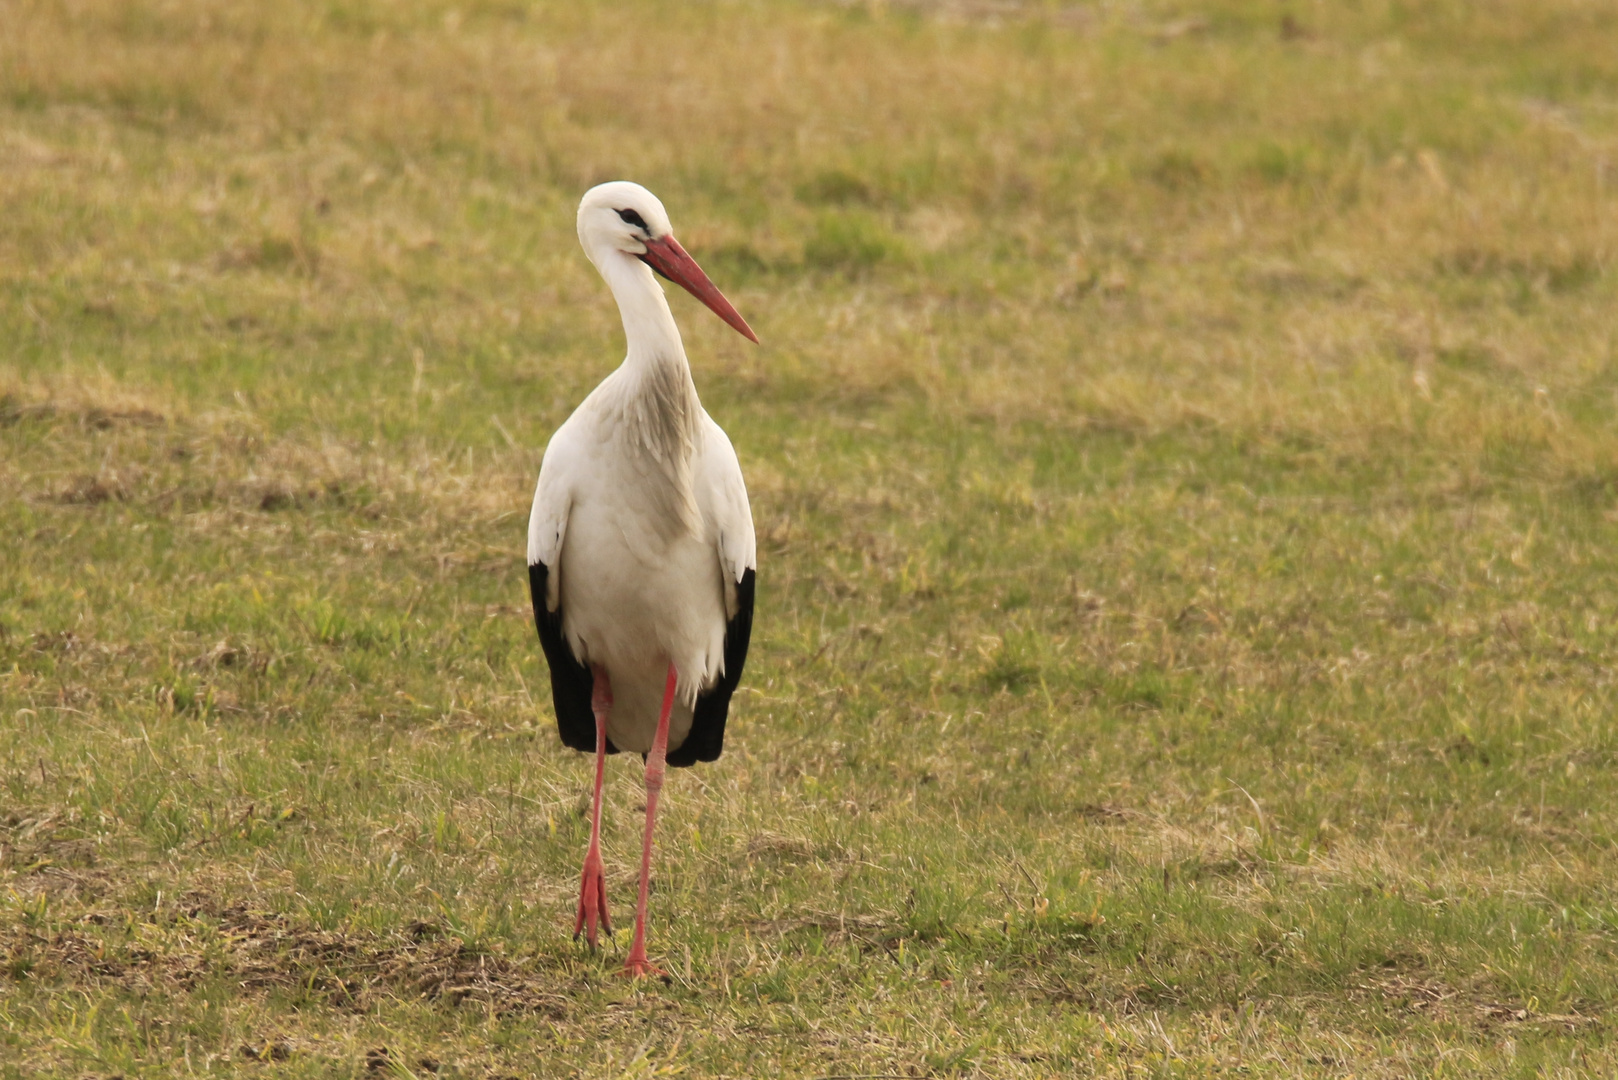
623, 218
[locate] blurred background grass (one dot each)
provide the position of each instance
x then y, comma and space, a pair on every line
1184, 459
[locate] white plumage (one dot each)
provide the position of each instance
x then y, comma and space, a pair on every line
640, 546
649, 562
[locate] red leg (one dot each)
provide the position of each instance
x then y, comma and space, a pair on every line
636, 964
593, 890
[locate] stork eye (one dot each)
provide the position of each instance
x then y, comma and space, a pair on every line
632, 217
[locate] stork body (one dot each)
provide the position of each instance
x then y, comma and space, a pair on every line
641, 551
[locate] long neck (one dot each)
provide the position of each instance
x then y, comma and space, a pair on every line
648, 322
658, 414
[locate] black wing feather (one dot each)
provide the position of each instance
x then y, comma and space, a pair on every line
571, 681
707, 736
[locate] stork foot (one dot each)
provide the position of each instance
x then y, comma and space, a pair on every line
592, 900
638, 967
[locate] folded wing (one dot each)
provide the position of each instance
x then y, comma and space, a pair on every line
722, 499
571, 681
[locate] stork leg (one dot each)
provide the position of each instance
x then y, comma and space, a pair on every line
636, 965
593, 889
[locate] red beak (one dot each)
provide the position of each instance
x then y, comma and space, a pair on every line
668, 258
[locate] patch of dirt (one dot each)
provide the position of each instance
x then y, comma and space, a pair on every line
13, 410
56, 641
1109, 814
226, 653
90, 491
1434, 998
271, 253
269, 1050
1414, 992
1239, 864
775, 845
870, 930
36, 859
259, 950
102, 419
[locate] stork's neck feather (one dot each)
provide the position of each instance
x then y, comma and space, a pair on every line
657, 413
648, 322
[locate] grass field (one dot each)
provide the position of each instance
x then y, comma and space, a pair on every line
1185, 462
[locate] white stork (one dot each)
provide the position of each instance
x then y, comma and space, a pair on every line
640, 546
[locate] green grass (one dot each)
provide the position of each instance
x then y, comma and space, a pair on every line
1185, 467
